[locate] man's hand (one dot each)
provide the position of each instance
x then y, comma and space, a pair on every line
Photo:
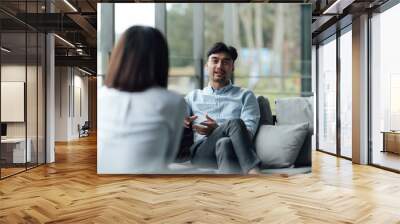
206, 127
188, 121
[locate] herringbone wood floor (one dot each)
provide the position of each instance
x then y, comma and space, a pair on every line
70, 191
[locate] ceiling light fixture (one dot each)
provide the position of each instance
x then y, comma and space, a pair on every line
84, 71
337, 7
70, 5
5, 50
80, 51
65, 41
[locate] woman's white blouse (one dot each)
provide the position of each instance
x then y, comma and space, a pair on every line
138, 132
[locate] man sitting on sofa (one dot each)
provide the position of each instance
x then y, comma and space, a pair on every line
224, 118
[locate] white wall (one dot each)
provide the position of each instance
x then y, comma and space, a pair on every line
61, 103
33, 125
80, 110
82, 83
71, 103
17, 73
14, 73
12, 101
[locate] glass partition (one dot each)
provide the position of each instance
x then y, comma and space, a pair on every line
41, 97
22, 91
31, 100
14, 153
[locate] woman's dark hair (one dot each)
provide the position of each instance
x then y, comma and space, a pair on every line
221, 47
139, 61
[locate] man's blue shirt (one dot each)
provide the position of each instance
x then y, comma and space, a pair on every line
222, 105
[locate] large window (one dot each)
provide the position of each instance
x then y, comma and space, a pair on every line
346, 94
180, 40
335, 61
327, 96
385, 84
269, 44
272, 44
214, 24
214, 28
128, 14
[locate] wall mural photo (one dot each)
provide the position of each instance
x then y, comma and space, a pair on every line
199, 88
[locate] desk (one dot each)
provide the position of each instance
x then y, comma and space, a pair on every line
391, 141
15, 148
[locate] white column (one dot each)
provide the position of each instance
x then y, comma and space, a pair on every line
50, 99
105, 38
360, 90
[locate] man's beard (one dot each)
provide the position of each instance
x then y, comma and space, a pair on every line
221, 80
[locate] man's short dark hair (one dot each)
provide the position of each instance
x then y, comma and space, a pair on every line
220, 47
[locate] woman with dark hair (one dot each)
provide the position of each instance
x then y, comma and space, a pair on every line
139, 120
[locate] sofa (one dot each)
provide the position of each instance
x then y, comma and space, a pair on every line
289, 111
282, 141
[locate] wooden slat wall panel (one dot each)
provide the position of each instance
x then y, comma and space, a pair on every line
92, 85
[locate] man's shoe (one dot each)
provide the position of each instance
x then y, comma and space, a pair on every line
254, 171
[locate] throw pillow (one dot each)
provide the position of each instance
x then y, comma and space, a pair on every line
279, 146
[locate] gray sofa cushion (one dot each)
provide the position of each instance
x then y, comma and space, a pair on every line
279, 146
293, 111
